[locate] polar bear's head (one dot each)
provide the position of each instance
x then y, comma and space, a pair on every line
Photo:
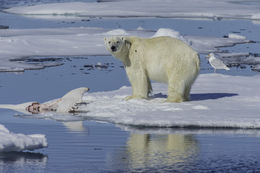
118, 47
114, 44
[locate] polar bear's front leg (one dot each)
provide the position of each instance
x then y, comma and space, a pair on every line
139, 82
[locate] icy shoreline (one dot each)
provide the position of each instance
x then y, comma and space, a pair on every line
143, 8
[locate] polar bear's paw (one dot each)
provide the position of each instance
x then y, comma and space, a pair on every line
133, 97
128, 98
175, 99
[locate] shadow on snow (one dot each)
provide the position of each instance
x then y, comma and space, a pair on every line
202, 96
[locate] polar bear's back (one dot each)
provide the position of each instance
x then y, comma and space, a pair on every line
164, 54
167, 46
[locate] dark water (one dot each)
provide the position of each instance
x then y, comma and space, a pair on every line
90, 146
53, 82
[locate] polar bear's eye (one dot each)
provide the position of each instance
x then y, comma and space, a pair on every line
117, 42
109, 42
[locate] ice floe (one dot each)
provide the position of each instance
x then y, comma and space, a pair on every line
236, 36
143, 8
213, 104
19, 47
19, 142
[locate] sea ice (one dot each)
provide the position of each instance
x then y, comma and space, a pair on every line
213, 104
19, 142
238, 59
143, 8
236, 36
18, 45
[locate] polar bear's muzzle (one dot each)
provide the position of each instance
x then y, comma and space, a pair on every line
113, 48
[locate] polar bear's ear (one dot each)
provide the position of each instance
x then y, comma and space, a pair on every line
127, 41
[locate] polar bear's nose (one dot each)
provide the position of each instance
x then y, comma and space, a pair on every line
113, 48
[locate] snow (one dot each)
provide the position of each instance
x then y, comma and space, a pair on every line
203, 44
213, 104
19, 142
256, 16
167, 32
144, 8
211, 44
236, 36
20, 45
117, 32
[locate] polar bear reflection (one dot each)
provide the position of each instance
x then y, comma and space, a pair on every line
146, 151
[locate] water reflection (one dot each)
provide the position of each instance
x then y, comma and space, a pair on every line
14, 160
75, 126
72, 123
145, 151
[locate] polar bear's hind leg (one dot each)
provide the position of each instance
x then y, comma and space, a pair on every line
176, 91
187, 93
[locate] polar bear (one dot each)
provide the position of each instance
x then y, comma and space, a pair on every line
163, 59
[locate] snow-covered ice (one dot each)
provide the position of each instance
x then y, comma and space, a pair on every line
213, 104
168, 32
20, 44
19, 142
144, 8
236, 36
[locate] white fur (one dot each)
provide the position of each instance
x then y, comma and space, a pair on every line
162, 59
